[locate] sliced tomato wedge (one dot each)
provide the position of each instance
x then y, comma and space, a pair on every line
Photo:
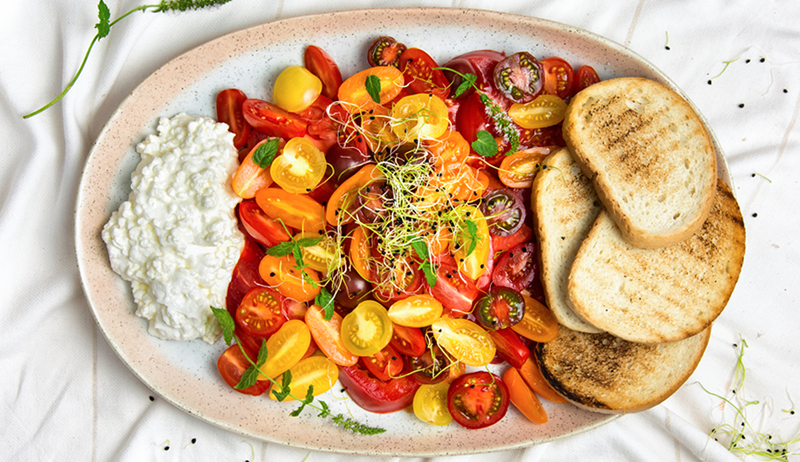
260, 313
517, 268
272, 120
408, 341
385, 364
421, 74
229, 111
477, 400
259, 226
523, 398
231, 366
323, 66
375, 395
585, 77
502, 243
509, 347
558, 77
454, 291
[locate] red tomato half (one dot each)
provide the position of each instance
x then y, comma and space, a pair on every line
323, 66
408, 341
375, 395
272, 120
517, 267
259, 226
454, 290
384, 364
260, 313
503, 243
231, 366
509, 347
477, 400
421, 75
245, 275
558, 77
585, 76
229, 111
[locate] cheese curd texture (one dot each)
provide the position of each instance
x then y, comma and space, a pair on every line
176, 237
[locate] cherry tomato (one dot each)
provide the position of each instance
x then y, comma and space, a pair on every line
398, 280
355, 290
250, 343
259, 226
532, 375
231, 366
385, 364
385, 51
345, 161
245, 275
249, 176
260, 314
377, 129
408, 341
281, 273
504, 211
343, 203
519, 169
477, 400
541, 137
464, 340
538, 324
500, 308
297, 211
430, 404
229, 111
299, 168
420, 116
316, 60
449, 150
517, 267
455, 291
519, 77
286, 348
324, 256
421, 75
292, 309
415, 311
296, 88
361, 253
272, 120
470, 246
510, 347
558, 77
544, 111
585, 77
315, 371
327, 335
523, 397
376, 395
502, 243
353, 91
432, 366
367, 329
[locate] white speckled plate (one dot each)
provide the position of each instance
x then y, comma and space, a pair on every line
184, 373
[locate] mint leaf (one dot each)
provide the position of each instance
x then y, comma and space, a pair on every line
281, 250
285, 390
227, 323
468, 81
103, 26
430, 273
249, 378
325, 412
308, 400
472, 235
298, 257
265, 153
262, 353
421, 249
373, 85
485, 145
308, 241
325, 300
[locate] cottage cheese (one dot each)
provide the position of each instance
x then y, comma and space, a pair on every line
176, 237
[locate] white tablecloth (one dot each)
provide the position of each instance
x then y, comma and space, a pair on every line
64, 394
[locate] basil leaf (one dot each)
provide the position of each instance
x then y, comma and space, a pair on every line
485, 145
281, 250
430, 273
421, 249
373, 85
325, 300
227, 323
265, 153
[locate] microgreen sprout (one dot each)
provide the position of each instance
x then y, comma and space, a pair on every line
104, 24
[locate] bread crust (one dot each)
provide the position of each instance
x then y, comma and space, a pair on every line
649, 156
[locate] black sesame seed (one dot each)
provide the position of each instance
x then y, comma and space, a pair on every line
194, 440
755, 215
746, 61
166, 448
762, 60
741, 104
152, 399
272, 274
709, 81
785, 90
666, 47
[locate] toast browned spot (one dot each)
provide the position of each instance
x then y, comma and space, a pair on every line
659, 295
603, 373
649, 156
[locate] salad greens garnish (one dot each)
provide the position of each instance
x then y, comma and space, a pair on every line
266, 152
325, 301
373, 85
283, 390
427, 267
104, 24
485, 145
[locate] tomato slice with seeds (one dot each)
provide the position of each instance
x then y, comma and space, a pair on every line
519, 169
544, 111
297, 211
538, 324
367, 329
421, 74
478, 399
430, 404
385, 51
585, 77
229, 111
260, 313
272, 120
432, 366
315, 371
327, 335
419, 310
519, 77
408, 341
324, 67
385, 364
517, 267
558, 77
375, 395
455, 291
504, 211
500, 308
502, 243
464, 340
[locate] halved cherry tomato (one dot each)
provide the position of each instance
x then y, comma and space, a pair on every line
260, 313
430, 404
585, 77
385, 364
385, 51
558, 77
500, 308
367, 329
509, 347
502, 243
421, 74
229, 111
517, 267
272, 120
408, 341
299, 168
519, 169
250, 177
466, 341
281, 273
539, 324
523, 398
286, 348
544, 111
532, 375
361, 253
327, 335
344, 201
315, 371
432, 366
377, 126
420, 116
541, 137
455, 291
296, 88
397, 280
519, 77
353, 91
324, 256
292, 309
376, 395
477, 400
245, 275
231, 366
297, 211
259, 226
415, 311
323, 66
504, 211
449, 150
470, 246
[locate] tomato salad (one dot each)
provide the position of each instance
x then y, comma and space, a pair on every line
389, 240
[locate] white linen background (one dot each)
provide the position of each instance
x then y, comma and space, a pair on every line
66, 395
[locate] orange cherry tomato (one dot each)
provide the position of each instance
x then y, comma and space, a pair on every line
300, 167
354, 89
250, 177
532, 375
378, 129
538, 324
281, 274
344, 201
450, 149
519, 169
328, 337
416, 311
523, 398
297, 211
360, 253
544, 111
315, 371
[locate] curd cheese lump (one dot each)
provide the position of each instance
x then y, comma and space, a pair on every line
176, 237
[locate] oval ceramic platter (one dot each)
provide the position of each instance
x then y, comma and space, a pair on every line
184, 373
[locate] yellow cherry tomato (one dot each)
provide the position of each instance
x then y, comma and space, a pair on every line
317, 371
325, 256
420, 116
367, 329
464, 340
296, 88
544, 111
430, 404
285, 348
299, 168
471, 241
416, 311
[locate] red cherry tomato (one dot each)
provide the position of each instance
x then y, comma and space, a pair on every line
231, 366
323, 66
509, 347
432, 366
546, 137
259, 226
585, 76
375, 395
385, 364
245, 275
260, 313
519, 77
421, 75
385, 51
517, 267
272, 120
408, 341
500, 308
229, 111
477, 400
505, 211
558, 77
453, 290
502, 243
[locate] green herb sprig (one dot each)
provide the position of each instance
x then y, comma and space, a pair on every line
250, 376
373, 85
427, 267
104, 24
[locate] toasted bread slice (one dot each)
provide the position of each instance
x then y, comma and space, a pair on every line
564, 206
603, 373
659, 295
649, 156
